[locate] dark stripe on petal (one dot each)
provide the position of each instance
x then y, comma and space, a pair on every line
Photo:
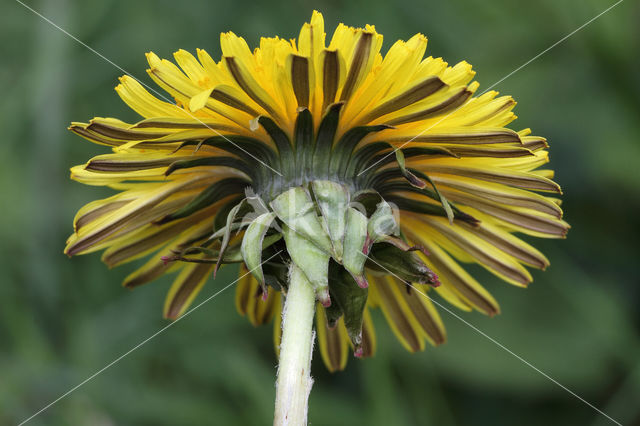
504, 104
245, 289
396, 314
542, 223
506, 242
245, 85
488, 151
460, 280
416, 93
368, 335
504, 195
92, 136
218, 161
358, 62
455, 101
221, 94
177, 123
330, 77
503, 176
331, 341
147, 273
124, 134
417, 302
107, 165
97, 213
494, 261
466, 137
300, 79
215, 192
109, 229
137, 246
534, 143
188, 286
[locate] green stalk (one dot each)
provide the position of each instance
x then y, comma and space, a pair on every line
294, 379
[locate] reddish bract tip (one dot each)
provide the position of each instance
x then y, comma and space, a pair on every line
358, 352
435, 281
367, 246
166, 260
423, 250
361, 281
322, 294
265, 294
415, 181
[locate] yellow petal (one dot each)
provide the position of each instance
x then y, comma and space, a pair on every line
332, 342
398, 313
185, 288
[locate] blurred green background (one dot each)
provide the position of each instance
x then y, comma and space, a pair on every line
61, 320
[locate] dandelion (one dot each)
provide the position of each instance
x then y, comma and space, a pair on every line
340, 179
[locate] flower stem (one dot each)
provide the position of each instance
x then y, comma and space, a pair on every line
294, 380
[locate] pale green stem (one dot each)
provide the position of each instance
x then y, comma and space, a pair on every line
294, 379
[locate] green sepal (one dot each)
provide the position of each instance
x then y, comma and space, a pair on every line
379, 180
442, 199
232, 255
368, 199
353, 258
220, 232
226, 236
332, 199
295, 208
267, 242
419, 183
220, 221
343, 149
445, 203
352, 301
410, 177
311, 260
304, 137
210, 195
357, 168
382, 223
324, 140
283, 144
251, 246
333, 312
405, 265
276, 274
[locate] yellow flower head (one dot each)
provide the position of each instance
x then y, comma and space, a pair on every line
374, 174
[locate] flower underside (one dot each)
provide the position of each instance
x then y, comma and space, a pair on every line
376, 175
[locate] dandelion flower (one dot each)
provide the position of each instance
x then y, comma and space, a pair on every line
361, 175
